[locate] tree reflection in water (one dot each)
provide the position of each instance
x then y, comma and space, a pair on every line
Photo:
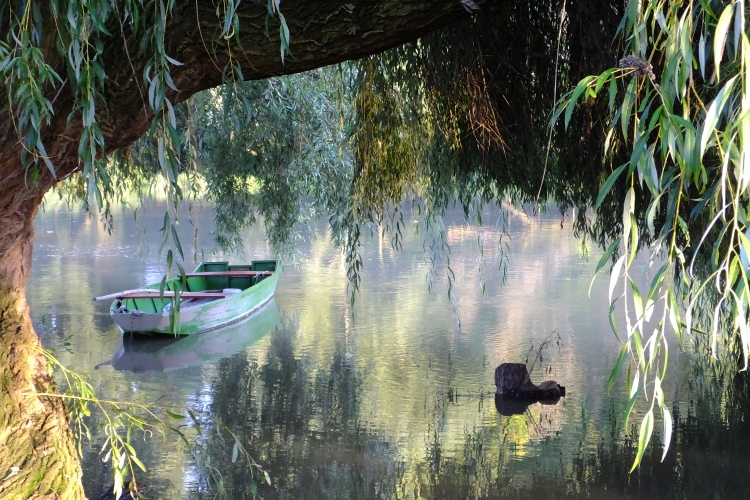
304, 424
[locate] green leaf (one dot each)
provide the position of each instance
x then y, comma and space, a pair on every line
739, 27
638, 341
612, 92
176, 240
618, 367
657, 280
667, 437
602, 79
118, 483
674, 317
631, 404
647, 427
235, 452
662, 21
637, 300
284, 35
183, 278
615, 275
89, 112
175, 416
636, 383
170, 113
580, 88
603, 260
653, 208
612, 321
608, 141
744, 249
137, 462
173, 61
170, 83
713, 113
161, 156
195, 421
633, 226
45, 157
720, 37
658, 392
627, 103
71, 17
608, 184
702, 55
628, 208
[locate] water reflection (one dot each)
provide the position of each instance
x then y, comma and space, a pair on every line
305, 424
508, 407
336, 404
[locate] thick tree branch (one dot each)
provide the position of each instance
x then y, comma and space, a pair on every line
322, 32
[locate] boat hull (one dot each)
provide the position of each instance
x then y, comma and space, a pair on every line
138, 353
198, 318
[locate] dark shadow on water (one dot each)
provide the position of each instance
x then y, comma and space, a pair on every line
508, 407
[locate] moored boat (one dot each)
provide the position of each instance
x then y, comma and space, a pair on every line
213, 295
139, 353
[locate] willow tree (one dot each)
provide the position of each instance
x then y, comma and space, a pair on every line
679, 104
653, 139
83, 79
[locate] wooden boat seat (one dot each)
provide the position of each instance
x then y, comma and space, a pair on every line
184, 295
231, 274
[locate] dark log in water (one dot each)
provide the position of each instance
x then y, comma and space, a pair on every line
513, 381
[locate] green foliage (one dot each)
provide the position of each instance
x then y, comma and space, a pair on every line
687, 131
462, 117
122, 422
118, 424
41, 41
276, 148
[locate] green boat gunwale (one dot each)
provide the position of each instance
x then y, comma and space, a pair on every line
146, 314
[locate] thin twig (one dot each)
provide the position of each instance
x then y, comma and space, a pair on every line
554, 100
132, 68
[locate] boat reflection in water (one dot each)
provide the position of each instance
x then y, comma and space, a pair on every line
140, 353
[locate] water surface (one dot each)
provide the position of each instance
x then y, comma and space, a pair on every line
386, 399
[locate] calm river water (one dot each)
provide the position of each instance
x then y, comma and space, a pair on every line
384, 400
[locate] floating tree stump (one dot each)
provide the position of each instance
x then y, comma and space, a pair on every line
513, 381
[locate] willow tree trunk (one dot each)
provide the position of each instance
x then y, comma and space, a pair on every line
37, 456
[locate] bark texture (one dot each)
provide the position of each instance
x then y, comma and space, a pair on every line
37, 456
34, 436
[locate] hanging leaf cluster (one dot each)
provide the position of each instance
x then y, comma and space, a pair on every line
679, 105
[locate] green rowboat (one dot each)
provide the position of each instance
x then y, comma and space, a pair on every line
216, 294
139, 353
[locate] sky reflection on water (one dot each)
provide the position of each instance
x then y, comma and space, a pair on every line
342, 403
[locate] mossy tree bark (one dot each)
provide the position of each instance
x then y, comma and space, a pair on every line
37, 453
34, 437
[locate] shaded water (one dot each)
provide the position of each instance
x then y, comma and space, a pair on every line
385, 400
